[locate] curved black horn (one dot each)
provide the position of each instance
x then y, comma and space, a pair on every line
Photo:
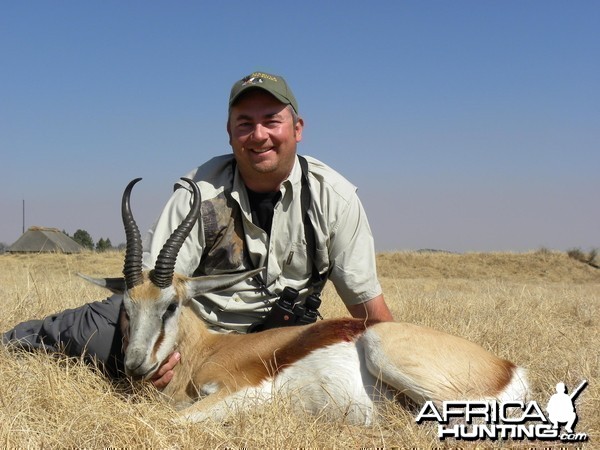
133, 252
162, 276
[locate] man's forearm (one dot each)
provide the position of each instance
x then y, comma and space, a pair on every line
375, 309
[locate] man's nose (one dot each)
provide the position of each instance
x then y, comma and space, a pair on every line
259, 133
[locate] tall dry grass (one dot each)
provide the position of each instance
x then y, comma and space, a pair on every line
539, 309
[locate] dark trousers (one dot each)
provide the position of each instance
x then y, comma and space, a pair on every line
91, 331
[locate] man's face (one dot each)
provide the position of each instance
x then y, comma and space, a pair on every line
263, 137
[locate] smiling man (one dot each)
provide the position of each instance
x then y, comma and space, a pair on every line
262, 207
252, 216
263, 133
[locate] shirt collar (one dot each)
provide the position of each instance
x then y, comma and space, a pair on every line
293, 182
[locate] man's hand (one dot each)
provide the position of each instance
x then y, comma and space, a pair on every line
165, 372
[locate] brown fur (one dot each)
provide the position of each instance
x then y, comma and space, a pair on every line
450, 366
148, 292
235, 361
441, 366
145, 291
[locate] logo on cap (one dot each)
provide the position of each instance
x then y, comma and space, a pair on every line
252, 80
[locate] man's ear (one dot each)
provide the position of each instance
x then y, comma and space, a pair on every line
114, 285
298, 129
229, 130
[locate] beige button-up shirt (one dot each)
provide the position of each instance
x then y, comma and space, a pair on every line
226, 240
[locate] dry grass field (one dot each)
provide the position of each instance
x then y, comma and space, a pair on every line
539, 309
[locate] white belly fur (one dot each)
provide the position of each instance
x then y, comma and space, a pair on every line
331, 382
334, 382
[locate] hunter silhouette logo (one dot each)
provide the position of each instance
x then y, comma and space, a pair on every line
561, 406
480, 420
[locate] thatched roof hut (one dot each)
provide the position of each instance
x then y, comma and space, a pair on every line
44, 240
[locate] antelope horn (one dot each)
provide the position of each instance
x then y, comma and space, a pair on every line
162, 275
133, 252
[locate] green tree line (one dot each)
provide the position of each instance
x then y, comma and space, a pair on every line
83, 238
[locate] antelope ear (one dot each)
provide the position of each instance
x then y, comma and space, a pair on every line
210, 283
114, 285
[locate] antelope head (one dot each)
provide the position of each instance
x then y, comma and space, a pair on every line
153, 300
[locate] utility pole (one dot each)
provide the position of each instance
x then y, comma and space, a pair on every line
23, 216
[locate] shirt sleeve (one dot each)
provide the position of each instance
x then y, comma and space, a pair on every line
172, 215
352, 256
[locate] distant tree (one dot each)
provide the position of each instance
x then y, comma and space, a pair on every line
587, 258
84, 239
103, 244
3, 247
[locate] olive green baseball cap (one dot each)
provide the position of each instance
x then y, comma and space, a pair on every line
273, 84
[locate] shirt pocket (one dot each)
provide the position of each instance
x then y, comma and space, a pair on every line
296, 265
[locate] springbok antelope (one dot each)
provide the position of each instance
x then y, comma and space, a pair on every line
337, 367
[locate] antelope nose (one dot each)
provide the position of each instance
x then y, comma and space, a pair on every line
133, 361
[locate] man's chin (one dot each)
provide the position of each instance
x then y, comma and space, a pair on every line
263, 163
265, 167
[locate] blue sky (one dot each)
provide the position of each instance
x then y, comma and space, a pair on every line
466, 125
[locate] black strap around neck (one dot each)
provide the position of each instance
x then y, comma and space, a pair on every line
318, 279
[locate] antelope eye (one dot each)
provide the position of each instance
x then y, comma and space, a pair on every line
170, 310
